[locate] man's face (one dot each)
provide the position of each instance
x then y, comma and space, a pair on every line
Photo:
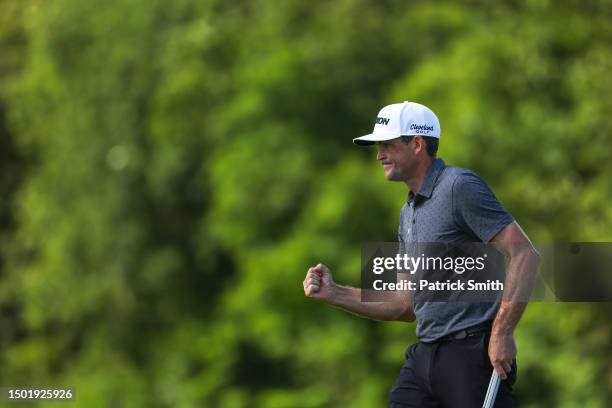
398, 159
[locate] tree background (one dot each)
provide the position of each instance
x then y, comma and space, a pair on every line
169, 170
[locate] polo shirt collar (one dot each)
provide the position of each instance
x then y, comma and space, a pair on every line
429, 182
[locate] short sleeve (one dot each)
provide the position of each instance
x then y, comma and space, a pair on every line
476, 209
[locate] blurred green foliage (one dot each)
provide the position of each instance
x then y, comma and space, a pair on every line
169, 170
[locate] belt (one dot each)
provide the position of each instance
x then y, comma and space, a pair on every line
468, 332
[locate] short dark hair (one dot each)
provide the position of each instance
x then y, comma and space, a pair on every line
430, 142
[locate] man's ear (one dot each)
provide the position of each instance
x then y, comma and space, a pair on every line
419, 144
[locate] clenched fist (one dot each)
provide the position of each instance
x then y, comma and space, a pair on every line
319, 284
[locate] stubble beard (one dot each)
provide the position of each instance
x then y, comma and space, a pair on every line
393, 175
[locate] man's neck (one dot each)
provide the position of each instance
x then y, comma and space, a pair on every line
416, 180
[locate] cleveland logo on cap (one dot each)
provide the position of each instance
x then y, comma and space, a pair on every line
382, 121
421, 128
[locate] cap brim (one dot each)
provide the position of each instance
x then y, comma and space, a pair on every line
371, 139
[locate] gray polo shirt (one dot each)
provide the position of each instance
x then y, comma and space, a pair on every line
453, 206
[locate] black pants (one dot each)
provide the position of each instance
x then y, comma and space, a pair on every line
449, 374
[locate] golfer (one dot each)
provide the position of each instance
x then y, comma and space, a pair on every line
459, 343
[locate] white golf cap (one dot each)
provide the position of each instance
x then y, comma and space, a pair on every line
402, 119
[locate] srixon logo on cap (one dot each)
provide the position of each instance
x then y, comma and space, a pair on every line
420, 129
382, 121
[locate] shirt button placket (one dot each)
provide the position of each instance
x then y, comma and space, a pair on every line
409, 225
411, 229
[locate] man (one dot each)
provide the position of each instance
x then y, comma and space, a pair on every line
459, 342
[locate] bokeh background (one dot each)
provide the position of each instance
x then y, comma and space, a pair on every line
170, 169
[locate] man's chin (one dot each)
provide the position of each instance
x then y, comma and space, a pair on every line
392, 176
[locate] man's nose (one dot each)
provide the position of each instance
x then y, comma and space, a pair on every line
380, 155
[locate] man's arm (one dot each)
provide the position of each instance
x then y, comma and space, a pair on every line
320, 285
520, 277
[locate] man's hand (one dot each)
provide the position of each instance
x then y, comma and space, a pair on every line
502, 352
319, 284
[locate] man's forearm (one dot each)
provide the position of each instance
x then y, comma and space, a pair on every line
520, 277
349, 299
